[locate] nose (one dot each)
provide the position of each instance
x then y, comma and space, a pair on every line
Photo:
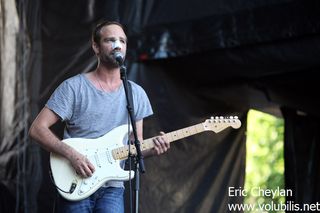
116, 45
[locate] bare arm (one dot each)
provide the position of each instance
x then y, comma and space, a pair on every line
161, 145
40, 132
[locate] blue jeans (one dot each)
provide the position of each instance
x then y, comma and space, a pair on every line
104, 200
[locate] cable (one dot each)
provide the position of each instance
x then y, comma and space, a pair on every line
72, 188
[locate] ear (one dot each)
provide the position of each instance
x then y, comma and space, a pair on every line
95, 48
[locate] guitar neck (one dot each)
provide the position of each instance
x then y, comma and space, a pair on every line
122, 152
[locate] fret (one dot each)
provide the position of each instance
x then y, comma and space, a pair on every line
174, 135
199, 128
169, 137
148, 143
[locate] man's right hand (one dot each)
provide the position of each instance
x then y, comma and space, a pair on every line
81, 164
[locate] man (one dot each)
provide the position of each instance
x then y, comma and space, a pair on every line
92, 104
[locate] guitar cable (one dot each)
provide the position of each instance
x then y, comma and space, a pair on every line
72, 188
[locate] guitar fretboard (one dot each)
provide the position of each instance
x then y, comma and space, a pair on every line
123, 152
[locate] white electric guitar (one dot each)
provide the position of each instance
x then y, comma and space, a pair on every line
106, 152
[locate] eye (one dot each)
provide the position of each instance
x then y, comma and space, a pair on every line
110, 40
123, 41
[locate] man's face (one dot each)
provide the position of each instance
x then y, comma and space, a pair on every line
113, 39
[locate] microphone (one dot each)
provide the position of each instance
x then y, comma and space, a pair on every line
118, 57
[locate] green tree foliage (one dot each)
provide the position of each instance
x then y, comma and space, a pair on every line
265, 161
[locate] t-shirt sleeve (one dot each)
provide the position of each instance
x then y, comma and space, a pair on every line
142, 105
62, 100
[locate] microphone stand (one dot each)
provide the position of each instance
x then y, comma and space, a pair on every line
138, 161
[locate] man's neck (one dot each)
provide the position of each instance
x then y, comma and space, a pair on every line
108, 75
107, 79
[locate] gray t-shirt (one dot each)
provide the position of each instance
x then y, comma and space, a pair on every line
91, 113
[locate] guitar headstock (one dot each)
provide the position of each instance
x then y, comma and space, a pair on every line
220, 123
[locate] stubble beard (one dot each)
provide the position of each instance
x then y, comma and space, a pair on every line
109, 61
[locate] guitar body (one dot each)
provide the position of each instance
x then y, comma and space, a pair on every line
99, 151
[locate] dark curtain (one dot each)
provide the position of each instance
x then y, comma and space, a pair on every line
302, 167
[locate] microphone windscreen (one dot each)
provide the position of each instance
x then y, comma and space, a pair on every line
119, 57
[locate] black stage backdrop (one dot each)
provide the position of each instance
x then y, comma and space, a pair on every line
195, 59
